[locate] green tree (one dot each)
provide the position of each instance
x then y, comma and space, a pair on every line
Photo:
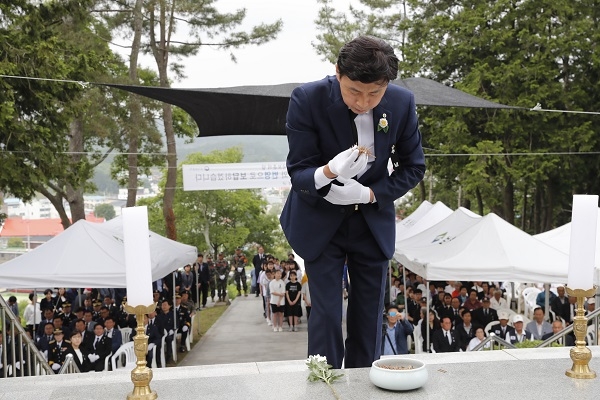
203, 25
15, 242
105, 211
513, 53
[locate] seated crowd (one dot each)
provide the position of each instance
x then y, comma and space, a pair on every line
92, 332
462, 314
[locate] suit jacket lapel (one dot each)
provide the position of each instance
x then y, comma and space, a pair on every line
338, 116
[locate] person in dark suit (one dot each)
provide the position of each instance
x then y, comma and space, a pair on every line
165, 322
445, 340
465, 329
80, 355
566, 340
329, 215
484, 315
47, 336
561, 306
58, 350
203, 279
257, 261
502, 328
101, 348
154, 338
113, 332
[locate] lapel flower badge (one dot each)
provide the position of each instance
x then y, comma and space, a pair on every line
383, 124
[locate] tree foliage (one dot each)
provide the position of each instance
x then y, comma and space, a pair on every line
105, 211
518, 164
218, 220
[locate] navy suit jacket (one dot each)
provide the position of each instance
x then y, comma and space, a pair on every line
318, 128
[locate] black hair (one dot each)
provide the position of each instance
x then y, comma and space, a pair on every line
368, 59
200, 255
12, 299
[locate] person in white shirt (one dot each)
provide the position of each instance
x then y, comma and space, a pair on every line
479, 336
277, 288
498, 302
266, 277
32, 314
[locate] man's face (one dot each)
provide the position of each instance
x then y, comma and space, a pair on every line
87, 317
104, 313
486, 304
447, 300
473, 296
67, 309
463, 292
467, 318
109, 323
261, 250
418, 296
164, 306
538, 315
361, 97
561, 291
98, 330
80, 326
518, 326
48, 314
447, 324
58, 323
48, 329
455, 303
200, 259
556, 327
503, 322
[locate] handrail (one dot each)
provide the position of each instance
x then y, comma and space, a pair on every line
495, 340
69, 366
25, 358
565, 331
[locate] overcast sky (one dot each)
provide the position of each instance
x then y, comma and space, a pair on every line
289, 58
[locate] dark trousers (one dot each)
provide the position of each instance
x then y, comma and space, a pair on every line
367, 267
307, 312
203, 292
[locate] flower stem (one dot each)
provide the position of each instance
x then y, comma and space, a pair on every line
337, 397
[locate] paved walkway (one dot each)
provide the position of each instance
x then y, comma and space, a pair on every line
242, 335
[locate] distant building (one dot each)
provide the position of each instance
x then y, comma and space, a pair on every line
33, 232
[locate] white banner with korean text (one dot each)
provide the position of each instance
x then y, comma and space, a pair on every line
235, 176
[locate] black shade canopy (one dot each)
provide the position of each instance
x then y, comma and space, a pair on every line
261, 110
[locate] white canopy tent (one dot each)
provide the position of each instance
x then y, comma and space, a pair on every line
560, 239
90, 254
490, 250
425, 216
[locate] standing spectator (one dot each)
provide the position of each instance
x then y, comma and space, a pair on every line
222, 271
188, 280
414, 306
203, 279
306, 296
498, 302
293, 300
538, 327
14, 307
239, 271
47, 302
395, 333
266, 278
257, 261
277, 289
445, 339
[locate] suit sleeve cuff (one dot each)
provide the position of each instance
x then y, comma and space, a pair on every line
320, 179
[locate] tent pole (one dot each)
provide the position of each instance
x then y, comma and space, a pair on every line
405, 296
547, 301
427, 316
197, 288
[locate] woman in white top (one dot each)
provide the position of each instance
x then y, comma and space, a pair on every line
479, 336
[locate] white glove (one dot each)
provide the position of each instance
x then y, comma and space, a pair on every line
351, 193
55, 367
348, 163
1, 365
18, 365
151, 346
185, 328
93, 357
45, 353
171, 332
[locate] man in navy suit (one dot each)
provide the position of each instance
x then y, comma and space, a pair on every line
342, 199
